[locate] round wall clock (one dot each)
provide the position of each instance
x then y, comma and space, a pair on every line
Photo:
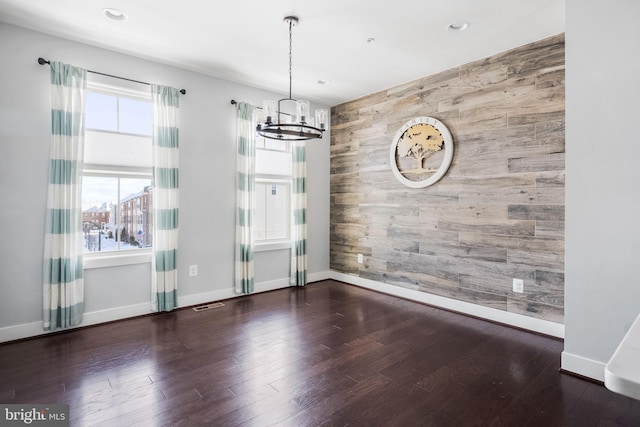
421, 152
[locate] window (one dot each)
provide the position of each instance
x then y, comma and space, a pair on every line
117, 186
272, 210
273, 193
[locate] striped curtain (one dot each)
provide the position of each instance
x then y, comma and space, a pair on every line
298, 275
245, 199
63, 293
164, 273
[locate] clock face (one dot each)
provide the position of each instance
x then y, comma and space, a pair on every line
421, 152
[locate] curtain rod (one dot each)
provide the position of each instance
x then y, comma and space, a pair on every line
43, 61
234, 102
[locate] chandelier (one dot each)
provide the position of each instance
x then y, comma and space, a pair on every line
274, 124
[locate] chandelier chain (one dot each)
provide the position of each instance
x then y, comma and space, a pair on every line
290, 54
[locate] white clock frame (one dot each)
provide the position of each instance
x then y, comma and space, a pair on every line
446, 161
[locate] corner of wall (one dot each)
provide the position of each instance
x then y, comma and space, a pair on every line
582, 366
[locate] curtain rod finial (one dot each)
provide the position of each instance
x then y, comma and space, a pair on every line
183, 91
43, 61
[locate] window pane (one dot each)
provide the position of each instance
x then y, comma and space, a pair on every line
276, 206
101, 111
99, 201
272, 211
103, 148
135, 116
273, 162
135, 225
275, 144
259, 229
109, 225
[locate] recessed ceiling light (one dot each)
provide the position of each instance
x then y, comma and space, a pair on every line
458, 26
324, 82
371, 40
115, 14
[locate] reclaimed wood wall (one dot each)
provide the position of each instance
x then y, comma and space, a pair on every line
497, 214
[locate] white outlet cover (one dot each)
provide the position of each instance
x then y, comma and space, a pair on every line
518, 286
360, 258
193, 270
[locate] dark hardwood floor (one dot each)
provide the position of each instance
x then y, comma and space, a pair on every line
329, 354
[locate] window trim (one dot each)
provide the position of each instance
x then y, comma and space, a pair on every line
110, 170
275, 244
272, 246
115, 259
121, 257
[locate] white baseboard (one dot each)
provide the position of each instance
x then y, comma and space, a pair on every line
27, 330
582, 366
512, 319
317, 277
272, 285
24, 330
33, 329
205, 297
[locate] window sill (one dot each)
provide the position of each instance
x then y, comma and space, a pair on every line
274, 246
102, 261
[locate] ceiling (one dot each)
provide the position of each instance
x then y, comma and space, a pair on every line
245, 40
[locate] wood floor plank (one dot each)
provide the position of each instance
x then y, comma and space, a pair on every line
329, 354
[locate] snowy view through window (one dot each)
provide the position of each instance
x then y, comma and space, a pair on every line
112, 223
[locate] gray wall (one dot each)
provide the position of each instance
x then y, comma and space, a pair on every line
207, 163
602, 290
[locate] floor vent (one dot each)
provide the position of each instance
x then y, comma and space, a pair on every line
208, 306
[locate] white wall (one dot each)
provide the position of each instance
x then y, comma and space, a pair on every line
602, 284
207, 190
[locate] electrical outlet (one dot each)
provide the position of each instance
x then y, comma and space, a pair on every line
518, 286
193, 270
360, 258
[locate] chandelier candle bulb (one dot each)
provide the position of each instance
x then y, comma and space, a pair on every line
302, 111
321, 118
269, 111
258, 115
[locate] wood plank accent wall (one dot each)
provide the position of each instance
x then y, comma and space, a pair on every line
497, 214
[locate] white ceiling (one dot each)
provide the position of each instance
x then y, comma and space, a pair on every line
245, 40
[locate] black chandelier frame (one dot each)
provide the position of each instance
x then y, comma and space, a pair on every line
288, 131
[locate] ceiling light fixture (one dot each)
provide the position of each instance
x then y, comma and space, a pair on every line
458, 26
115, 14
286, 127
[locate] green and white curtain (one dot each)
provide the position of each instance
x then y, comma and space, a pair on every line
164, 273
245, 199
298, 275
63, 292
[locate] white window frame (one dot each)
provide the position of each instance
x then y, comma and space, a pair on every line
286, 180
120, 257
285, 242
